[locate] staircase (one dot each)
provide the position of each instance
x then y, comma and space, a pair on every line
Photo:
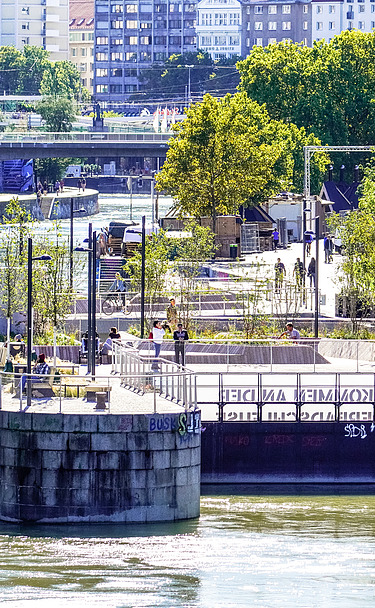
17, 175
107, 271
46, 205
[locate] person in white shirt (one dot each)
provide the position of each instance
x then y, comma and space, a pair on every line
291, 333
157, 337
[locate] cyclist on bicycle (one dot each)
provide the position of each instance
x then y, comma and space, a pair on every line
119, 286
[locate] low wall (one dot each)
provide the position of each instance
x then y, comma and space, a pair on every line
99, 467
347, 349
336, 452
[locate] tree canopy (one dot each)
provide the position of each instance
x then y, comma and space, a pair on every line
58, 113
170, 79
328, 89
229, 153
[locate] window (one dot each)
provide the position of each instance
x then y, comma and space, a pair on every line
258, 41
361, 9
206, 19
25, 10
145, 40
117, 41
272, 10
247, 41
319, 10
159, 25
174, 39
116, 73
189, 8
234, 19
319, 25
175, 24
131, 8
361, 25
175, 8
147, 26
331, 25
258, 25
74, 52
115, 88
331, 9
144, 56
130, 88
190, 40
372, 8
117, 25
286, 9
220, 40
25, 26
271, 40
82, 67
234, 40
205, 40
132, 40
161, 56
287, 25
131, 56
101, 56
304, 25
101, 40
350, 25
161, 8
161, 40
131, 25
117, 56
372, 24
116, 8
258, 10
83, 52
102, 88
272, 25
306, 9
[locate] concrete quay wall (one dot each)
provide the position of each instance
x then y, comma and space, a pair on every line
99, 467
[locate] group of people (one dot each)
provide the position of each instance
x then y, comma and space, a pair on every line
299, 273
180, 335
81, 184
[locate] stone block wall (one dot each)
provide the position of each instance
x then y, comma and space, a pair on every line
99, 467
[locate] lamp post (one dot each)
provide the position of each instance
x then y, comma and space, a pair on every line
72, 212
189, 86
316, 319
91, 299
30, 260
143, 268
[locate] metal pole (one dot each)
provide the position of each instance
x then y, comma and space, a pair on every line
143, 277
131, 198
71, 244
89, 303
303, 234
93, 307
29, 318
316, 320
189, 90
152, 201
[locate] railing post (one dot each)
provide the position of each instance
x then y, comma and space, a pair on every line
271, 355
357, 356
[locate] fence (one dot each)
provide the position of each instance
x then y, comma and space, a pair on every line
287, 397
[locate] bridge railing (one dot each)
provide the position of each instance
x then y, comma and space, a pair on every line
81, 137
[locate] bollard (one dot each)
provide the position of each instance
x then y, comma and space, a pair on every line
100, 401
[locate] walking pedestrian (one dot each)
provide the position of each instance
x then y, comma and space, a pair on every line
308, 240
328, 249
299, 273
275, 239
180, 337
157, 338
279, 274
311, 272
83, 184
79, 184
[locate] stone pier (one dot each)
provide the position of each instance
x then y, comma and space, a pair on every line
101, 467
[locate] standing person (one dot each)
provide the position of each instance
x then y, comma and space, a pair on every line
311, 272
172, 314
157, 338
45, 187
299, 273
291, 333
83, 184
275, 239
328, 249
308, 241
61, 185
57, 186
279, 274
79, 184
180, 336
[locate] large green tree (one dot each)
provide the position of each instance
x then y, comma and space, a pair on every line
328, 89
57, 112
61, 78
229, 153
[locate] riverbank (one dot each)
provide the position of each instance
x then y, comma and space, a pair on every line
54, 206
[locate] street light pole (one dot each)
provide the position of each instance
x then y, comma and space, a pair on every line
89, 302
143, 268
29, 316
71, 245
93, 306
316, 320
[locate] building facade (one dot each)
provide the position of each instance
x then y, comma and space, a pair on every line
131, 35
219, 25
81, 40
42, 23
330, 18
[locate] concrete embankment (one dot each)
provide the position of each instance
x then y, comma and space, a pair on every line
99, 467
54, 206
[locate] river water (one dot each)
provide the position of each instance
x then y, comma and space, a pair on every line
244, 551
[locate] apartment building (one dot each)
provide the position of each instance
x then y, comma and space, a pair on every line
81, 40
219, 25
39, 23
330, 18
131, 35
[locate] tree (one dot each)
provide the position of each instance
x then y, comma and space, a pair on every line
357, 232
11, 62
35, 62
58, 113
225, 154
61, 78
327, 89
189, 255
171, 78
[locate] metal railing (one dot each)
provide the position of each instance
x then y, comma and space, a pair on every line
81, 137
145, 373
286, 397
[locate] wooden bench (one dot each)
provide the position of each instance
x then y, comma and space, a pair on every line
44, 387
74, 383
92, 389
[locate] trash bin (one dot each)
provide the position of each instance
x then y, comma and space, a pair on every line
233, 251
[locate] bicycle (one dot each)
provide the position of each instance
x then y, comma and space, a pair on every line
114, 303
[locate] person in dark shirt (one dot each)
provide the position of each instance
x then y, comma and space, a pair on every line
180, 337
